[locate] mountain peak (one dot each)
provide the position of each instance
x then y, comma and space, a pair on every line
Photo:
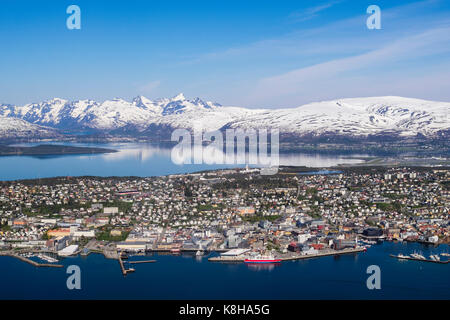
55, 100
141, 100
179, 97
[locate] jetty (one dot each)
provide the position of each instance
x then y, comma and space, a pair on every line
122, 267
142, 261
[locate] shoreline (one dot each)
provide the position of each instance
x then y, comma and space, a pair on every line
216, 259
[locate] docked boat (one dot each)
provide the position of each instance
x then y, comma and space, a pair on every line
262, 259
435, 257
402, 256
418, 256
175, 251
47, 258
199, 253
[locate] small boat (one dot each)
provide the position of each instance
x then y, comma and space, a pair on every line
48, 258
435, 257
262, 259
175, 251
418, 256
402, 256
199, 253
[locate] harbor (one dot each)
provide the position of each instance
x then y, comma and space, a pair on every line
173, 277
33, 263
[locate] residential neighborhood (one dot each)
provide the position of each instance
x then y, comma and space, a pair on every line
291, 213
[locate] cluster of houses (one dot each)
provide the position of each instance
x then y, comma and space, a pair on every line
227, 209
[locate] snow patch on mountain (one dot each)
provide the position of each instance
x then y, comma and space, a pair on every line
19, 129
354, 116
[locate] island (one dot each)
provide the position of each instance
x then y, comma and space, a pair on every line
50, 149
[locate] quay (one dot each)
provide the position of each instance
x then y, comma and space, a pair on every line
34, 263
415, 259
291, 258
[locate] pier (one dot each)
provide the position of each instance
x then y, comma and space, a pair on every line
122, 267
142, 261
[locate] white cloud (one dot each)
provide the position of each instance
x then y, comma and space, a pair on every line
311, 12
358, 73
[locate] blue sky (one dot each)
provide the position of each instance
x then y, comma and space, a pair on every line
236, 52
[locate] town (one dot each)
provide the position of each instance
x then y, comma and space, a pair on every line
239, 213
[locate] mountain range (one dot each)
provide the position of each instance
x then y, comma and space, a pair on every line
358, 118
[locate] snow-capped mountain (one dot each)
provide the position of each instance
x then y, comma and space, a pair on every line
143, 117
177, 112
356, 117
11, 128
110, 114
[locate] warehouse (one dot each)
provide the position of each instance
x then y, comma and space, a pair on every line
132, 246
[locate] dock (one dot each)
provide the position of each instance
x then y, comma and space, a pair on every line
291, 258
423, 260
122, 267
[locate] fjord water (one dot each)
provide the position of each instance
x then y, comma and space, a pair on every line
187, 277
132, 159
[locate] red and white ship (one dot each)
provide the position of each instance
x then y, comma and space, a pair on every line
262, 259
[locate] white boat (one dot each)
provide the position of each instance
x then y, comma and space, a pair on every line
435, 257
401, 256
199, 253
418, 256
47, 258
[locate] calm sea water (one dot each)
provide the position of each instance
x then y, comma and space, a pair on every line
186, 277
133, 159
